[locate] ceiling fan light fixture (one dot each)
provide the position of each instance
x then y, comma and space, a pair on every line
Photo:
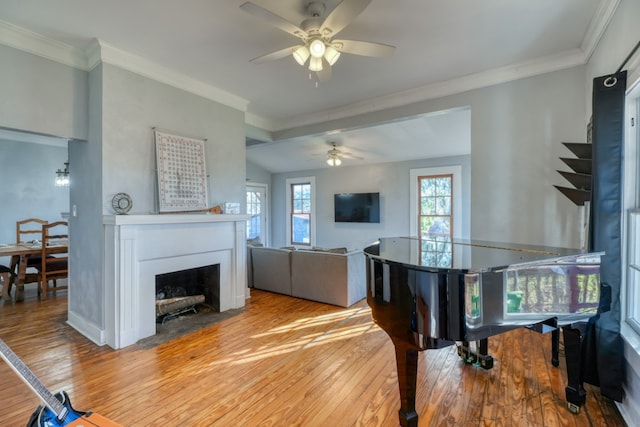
317, 48
315, 64
331, 55
301, 54
334, 161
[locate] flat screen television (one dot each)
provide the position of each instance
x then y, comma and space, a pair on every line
357, 207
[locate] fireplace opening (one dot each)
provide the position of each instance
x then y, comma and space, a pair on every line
178, 292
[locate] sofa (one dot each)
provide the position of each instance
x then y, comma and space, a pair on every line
271, 269
334, 277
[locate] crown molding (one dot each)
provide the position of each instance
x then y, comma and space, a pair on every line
31, 42
99, 51
440, 89
598, 25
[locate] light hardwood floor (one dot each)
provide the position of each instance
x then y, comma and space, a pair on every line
283, 362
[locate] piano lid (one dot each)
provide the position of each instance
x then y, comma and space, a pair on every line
435, 252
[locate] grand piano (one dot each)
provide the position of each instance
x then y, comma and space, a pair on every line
435, 291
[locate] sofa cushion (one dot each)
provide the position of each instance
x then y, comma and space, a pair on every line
330, 250
328, 277
271, 269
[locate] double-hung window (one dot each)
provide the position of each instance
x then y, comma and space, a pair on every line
301, 211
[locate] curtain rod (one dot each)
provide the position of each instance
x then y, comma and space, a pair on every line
627, 58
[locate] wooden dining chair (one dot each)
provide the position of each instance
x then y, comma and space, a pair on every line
27, 231
7, 281
54, 263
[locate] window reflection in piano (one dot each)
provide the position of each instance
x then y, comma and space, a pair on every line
472, 295
552, 289
436, 251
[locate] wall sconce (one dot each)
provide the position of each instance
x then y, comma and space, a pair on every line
62, 176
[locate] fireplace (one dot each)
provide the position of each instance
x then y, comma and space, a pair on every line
183, 290
141, 247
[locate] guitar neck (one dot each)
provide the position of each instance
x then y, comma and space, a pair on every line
32, 381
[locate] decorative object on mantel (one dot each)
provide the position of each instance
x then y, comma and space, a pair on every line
121, 203
182, 173
232, 208
214, 210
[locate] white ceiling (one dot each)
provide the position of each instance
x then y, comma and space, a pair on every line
441, 47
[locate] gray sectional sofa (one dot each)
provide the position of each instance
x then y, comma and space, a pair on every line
325, 276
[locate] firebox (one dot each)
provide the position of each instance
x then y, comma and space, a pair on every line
178, 290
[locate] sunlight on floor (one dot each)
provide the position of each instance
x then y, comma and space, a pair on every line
312, 339
309, 322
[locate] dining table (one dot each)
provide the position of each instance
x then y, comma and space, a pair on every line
20, 254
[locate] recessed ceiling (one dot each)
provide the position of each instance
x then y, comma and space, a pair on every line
433, 135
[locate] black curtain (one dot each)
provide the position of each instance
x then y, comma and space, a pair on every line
604, 340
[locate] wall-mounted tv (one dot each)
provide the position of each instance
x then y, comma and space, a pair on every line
357, 207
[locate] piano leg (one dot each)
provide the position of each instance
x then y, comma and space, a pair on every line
555, 348
550, 325
574, 392
480, 357
407, 366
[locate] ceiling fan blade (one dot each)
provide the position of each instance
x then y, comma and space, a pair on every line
325, 74
273, 19
355, 47
282, 53
351, 156
342, 15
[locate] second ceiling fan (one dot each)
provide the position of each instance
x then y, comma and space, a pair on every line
317, 36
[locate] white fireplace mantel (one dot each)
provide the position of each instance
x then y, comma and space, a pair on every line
138, 247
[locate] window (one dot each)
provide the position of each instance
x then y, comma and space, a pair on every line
435, 200
257, 210
301, 211
629, 292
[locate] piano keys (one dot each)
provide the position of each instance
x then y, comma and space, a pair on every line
436, 291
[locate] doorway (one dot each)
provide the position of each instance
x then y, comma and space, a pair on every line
257, 209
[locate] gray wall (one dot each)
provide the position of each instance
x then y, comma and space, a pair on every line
124, 109
114, 111
27, 173
391, 180
42, 96
517, 130
257, 175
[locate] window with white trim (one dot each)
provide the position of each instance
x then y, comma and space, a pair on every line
435, 208
301, 220
629, 292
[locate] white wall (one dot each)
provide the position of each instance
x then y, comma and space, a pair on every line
622, 34
391, 180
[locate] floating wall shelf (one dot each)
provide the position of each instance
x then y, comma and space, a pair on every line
581, 176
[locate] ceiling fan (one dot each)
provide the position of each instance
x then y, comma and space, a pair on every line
334, 156
316, 34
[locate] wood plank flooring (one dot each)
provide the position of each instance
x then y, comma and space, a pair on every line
283, 362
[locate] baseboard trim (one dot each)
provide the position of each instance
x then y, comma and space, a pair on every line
86, 328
